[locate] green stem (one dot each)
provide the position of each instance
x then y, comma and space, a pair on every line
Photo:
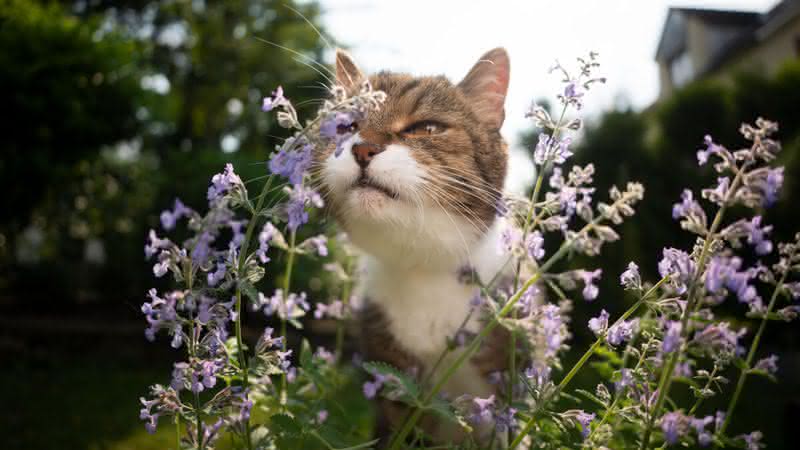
751, 355
699, 400
177, 432
199, 420
578, 365
251, 225
287, 283
345, 304
666, 375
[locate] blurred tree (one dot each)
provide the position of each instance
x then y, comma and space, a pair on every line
121, 106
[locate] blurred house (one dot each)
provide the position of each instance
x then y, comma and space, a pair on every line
701, 43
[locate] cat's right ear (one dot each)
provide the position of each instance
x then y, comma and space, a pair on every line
347, 73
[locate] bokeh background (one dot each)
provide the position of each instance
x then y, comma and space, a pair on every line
114, 108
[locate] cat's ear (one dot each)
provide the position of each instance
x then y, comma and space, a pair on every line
347, 73
486, 85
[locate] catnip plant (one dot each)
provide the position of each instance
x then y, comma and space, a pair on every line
265, 394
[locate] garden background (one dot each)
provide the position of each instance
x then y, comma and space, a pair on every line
114, 108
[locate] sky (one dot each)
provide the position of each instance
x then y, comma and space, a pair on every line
448, 36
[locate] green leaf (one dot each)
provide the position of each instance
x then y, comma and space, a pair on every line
249, 291
591, 397
283, 423
395, 377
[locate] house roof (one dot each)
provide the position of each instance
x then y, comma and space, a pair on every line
751, 26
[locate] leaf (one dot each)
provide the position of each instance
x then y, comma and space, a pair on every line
249, 291
283, 423
394, 376
591, 397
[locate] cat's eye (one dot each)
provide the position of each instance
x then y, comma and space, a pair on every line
347, 129
424, 128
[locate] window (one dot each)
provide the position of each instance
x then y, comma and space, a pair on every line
681, 69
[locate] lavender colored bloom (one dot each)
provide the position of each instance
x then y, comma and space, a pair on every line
170, 218
534, 244
753, 440
773, 184
704, 438
146, 414
711, 149
322, 416
222, 183
585, 420
756, 236
510, 237
678, 265
719, 340
320, 244
590, 290
291, 164
630, 278
335, 310
505, 420
237, 228
794, 289
264, 238
768, 364
672, 337
154, 244
674, 426
687, 206
538, 374
599, 324
626, 379
275, 101
337, 128
483, 412
549, 150
215, 277
202, 248
371, 388
299, 198
622, 332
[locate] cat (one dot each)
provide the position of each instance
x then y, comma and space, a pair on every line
417, 189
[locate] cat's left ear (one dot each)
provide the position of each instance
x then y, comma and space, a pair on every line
347, 73
486, 85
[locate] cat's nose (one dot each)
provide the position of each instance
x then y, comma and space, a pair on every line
364, 152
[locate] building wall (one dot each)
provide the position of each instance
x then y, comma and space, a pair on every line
770, 54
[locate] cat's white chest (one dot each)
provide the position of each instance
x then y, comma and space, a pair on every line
423, 309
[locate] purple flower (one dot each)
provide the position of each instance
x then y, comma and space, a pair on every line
678, 265
296, 207
703, 437
687, 206
371, 388
549, 150
319, 243
510, 237
222, 183
599, 324
621, 332
626, 379
773, 184
483, 412
322, 416
719, 340
534, 244
264, 239
585, 420
630, 278
291, 164
155, 244
538, 374
146, 414
724, 272
276, 100
335, 310
672, 337
215, 277
768, 364
170, 218
711, 148
337, 128
505, 420
590, 290
674, 426
753, 440
756, 236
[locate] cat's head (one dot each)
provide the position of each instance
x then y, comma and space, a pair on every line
424, 173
